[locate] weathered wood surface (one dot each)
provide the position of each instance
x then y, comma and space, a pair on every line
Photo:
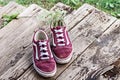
58, 72
62, 7
15, 30
102, 52
85, 25
80, 36
0, 6
9, 9
22, 19
17, 69
17, 42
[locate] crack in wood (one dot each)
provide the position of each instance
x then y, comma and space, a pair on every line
109, 72
16, 59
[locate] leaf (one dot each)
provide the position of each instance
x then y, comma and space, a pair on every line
118, 15
113, 13
7, 18
106, 5
74, 2
111, 5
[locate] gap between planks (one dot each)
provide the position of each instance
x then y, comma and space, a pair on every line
16, 70
71, 76
85, 63
12, 54
17, 9
32, 28
104, 27
8, 8
86, 11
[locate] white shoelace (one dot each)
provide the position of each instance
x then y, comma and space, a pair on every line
43, 49
60, 37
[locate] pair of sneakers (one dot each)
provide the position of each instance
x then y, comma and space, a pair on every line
46, 56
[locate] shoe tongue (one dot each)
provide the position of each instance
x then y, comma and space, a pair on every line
58, 27
42, 41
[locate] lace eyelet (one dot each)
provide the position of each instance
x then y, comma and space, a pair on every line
44, 56
60, 37
43, 46
61, 42
43, 51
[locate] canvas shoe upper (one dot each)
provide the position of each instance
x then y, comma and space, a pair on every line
43, 60
62, 47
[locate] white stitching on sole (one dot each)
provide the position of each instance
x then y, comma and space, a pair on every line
62, 61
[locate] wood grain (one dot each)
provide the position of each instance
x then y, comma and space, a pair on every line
85, 25
58, 66
17, 42
17, 9
6, 9
101, 53
85, 40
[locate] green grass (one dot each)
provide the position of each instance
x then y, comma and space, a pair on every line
110, 6
7, 18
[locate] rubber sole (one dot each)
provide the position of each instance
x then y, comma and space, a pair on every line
62, 61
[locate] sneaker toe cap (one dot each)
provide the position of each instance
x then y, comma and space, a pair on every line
62, 52
46, 66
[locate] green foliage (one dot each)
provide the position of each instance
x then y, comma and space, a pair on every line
110, 6
4, 2
7, 18
53, 18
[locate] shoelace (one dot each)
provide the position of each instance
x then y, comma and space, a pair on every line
60, 37
43, 50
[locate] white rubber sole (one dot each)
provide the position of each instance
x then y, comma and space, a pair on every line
62, 61
45, 74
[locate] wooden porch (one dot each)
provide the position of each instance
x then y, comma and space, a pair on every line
95, 36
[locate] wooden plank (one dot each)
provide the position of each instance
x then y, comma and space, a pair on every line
17, 9
88, 30
94, 24
100, 53
79, 15
13, 49
32, 9
32, 76
10, 28
85, 41
24, 36
60, 71
0, 7
18, 69
6, 9
29, 11
18, 66
62, 7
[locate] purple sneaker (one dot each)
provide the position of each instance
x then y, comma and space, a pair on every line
62, 46
43, 60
